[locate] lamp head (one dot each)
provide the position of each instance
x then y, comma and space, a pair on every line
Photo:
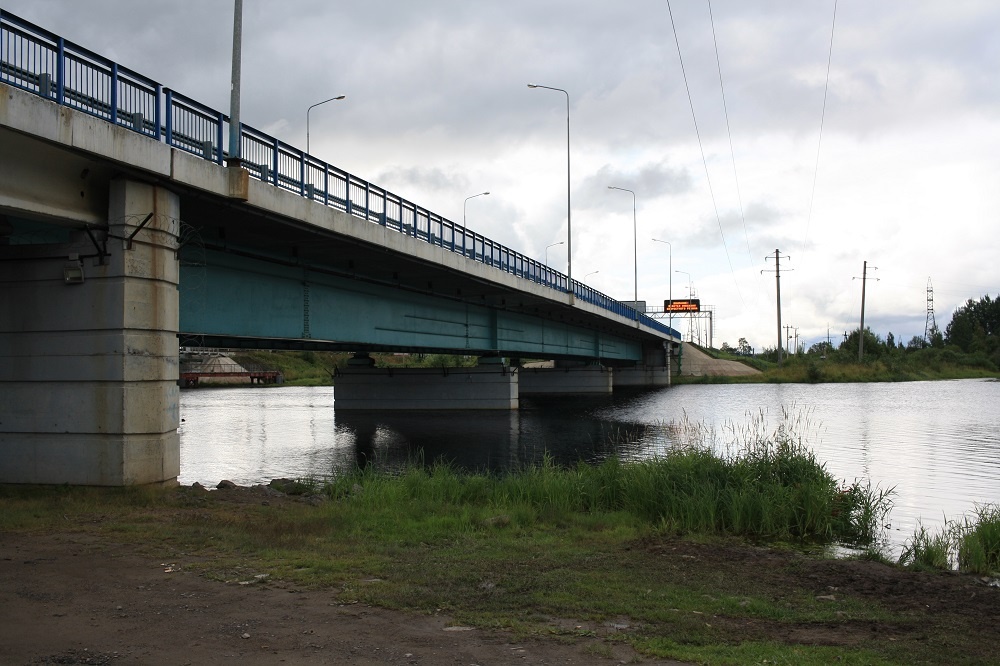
532, 85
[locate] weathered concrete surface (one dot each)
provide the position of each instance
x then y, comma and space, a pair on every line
566, 381
641, 376
88, 370
696, 363
483, 387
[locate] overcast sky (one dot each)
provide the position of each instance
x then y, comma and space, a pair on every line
905, 174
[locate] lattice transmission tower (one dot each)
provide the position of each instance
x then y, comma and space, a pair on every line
929, 325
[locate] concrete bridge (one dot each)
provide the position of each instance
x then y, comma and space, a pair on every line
123, 234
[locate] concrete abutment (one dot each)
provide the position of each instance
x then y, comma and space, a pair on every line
88, 348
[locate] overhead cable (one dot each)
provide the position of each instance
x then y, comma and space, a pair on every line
701, 146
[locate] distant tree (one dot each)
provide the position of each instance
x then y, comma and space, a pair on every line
916, 342
726, 348
973, 323
743, 348
823, 348
874, 346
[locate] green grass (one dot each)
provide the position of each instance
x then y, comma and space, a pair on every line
513, 552
584, 545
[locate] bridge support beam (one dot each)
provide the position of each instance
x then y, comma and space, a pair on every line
654, 371
88, 349
483, 387
642, 375
569, 379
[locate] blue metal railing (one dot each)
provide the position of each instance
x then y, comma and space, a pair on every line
36, 60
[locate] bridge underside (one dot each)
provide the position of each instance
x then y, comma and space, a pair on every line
113, 245
235, 300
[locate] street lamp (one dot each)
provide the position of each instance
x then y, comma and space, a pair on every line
235, 129
466, 202
310, 109
689, 296
588, 275
547, 250
635, 244
670, 269
569, 223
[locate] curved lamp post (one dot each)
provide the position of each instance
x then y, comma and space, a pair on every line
635, 244
569, 223
310, 109
466, 202
588, 275
689, 296
670, 268
547, 250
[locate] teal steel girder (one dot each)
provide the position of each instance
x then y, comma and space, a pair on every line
228, 295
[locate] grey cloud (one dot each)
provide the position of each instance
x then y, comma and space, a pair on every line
648, 181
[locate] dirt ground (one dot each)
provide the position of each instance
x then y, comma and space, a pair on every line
696, 363
75, 598
65, 599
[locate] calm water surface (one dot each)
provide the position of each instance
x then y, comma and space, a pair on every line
937, 443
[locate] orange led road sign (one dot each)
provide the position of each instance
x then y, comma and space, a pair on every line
682, 305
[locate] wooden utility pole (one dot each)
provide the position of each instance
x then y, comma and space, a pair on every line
777, 282
861, 336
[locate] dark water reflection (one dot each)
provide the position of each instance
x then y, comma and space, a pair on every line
567, 430
937, 443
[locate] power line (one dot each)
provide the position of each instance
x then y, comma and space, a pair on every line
701, 146
732, 151
822, 121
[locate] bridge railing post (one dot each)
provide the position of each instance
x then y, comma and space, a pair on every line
61, 72
169, 102
326, 184
157, 109
114, 93
218, 137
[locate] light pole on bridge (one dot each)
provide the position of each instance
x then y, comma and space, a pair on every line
332, 99
689, 296
569, 207
670, 269
547, 250
635, 246
466, 202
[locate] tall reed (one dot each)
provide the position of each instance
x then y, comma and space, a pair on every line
971, 544
761, 486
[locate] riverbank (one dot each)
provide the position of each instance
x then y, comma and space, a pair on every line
917, 365
701, 366
185, 575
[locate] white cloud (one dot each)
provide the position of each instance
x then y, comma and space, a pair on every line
437, 109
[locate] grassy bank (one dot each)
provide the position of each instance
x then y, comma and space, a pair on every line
667, 552
917, 365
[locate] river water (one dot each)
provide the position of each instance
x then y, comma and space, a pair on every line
936, 443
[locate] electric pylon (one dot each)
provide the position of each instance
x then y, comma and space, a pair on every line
929, 325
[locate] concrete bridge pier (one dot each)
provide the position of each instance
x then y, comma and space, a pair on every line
654, 370
88, 346
364, 387
567, 378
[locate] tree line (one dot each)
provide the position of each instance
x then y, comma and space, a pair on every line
971, 338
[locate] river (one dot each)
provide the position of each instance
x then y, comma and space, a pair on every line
936, 443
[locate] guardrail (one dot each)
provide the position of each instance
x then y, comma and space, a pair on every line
38, 61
